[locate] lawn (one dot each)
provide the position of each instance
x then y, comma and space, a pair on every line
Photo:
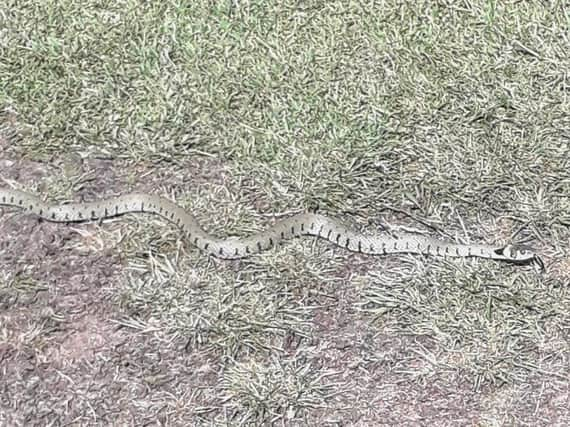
450, 119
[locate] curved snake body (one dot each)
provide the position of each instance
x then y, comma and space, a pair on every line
232, 248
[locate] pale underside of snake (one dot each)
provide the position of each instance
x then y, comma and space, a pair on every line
232, 248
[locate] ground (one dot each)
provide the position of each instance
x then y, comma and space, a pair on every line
449, 119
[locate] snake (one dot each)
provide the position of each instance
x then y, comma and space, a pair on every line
301, 224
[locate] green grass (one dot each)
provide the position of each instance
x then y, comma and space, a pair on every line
378, 112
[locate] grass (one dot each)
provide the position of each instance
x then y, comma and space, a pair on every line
383, 113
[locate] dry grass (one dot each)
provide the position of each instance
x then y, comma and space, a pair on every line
456, 113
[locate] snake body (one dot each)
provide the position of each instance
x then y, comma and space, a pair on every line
231, 248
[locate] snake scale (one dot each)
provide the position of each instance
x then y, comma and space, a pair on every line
231, 248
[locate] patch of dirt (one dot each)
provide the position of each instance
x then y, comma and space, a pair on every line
65, 354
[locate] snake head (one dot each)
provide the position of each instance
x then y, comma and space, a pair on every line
520, 254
